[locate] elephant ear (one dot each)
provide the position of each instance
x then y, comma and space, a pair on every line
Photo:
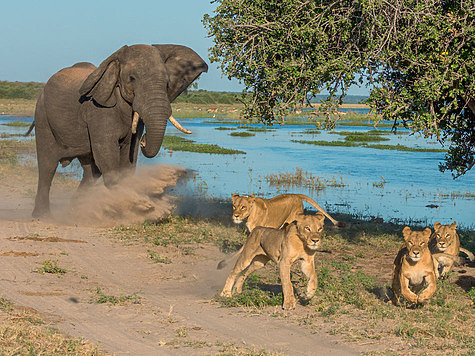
183, 65
100, 84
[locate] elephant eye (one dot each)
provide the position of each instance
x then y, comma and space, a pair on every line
131, 79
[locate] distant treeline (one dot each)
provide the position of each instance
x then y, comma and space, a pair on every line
20, 90
208, 97
31, 90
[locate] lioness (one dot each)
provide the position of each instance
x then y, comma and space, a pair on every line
273, 212
297, 240
414, 268
445, 247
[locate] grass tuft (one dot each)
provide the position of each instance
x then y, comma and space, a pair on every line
177, 143
52, 267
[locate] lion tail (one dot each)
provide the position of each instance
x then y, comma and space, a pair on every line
319, 208
224, 263
470, 255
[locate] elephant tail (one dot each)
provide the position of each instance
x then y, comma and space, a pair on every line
30, 129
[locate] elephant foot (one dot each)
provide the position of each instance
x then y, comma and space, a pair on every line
40, 213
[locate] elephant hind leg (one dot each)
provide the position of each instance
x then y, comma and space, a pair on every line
46, 170
90, 171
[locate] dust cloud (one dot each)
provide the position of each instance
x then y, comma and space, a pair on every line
134, 199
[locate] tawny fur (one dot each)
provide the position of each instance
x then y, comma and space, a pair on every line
444, 245
414, 269
296, 241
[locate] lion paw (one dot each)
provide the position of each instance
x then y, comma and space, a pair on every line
289, 304
226, 293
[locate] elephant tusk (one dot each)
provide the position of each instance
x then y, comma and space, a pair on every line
178, 125
135, 121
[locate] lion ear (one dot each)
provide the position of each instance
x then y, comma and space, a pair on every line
235, 195
427, 232
437, 225
320, 216
406, 232
454, 225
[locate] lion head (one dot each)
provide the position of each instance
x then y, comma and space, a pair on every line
416, 242
444, 235
310, 229
242, 207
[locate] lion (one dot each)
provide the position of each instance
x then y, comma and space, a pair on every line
274, 212
444, 245
414, 268
297, 240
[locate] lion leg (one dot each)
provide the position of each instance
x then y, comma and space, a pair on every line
258, 262
308, 268
444, 263
287, 288
243, 262
406, 292
429, 291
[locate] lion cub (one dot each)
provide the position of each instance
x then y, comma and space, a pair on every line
296, 241
445, 247
414, 268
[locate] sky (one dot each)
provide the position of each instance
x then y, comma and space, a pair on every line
38, 38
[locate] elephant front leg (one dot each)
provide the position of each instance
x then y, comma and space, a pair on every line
106, 155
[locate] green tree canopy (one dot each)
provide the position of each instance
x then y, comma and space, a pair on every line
417, 55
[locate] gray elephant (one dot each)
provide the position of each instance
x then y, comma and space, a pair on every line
98, 115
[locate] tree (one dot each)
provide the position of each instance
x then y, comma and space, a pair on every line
418, 55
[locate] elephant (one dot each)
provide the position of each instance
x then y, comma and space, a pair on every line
99, 114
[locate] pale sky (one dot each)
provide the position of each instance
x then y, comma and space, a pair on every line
38, 38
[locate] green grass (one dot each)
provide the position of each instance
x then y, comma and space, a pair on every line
301, 178
17, 124
223, 128
181, 232
101, 298
52, 267
364, 137
177, 143
241, 134
328, 143
156, 258
252, 297
397, 147
260, 129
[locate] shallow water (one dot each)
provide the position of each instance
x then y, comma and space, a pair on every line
411, 179
389, 184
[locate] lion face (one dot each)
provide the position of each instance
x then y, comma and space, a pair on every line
416, 242
310, 229
444, 235
242, 207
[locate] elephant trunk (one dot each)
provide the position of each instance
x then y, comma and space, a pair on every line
155, 116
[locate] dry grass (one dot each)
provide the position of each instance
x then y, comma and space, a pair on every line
23, 331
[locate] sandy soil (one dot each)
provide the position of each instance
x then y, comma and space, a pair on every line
175, 313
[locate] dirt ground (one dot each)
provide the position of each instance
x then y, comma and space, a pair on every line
175, 313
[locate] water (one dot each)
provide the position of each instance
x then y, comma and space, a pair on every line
389, 184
